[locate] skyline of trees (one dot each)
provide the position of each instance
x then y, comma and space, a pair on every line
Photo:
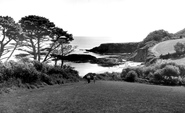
10, 31
35, 35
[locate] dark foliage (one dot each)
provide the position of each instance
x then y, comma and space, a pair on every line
115, 48
104, 76
164, 73
77, 57
131, 76
34, 72
157, 36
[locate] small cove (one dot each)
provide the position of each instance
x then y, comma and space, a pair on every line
84, 68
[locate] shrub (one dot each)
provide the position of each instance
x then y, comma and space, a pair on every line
124, 72
32, 73
159, 73
167, 75
182, 70
158, 77
131, 76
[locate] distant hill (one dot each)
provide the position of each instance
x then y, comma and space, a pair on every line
180, 33
166, 46
142, 53
115, 48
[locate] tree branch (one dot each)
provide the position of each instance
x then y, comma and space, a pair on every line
12, 51
7, 42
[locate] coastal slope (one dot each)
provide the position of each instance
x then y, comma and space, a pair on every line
115, 48
166, 47
101, 97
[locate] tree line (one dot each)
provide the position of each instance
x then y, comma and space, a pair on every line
36, 36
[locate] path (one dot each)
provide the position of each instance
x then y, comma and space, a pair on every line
102, 97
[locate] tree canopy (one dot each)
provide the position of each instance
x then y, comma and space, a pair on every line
179, 48
37, 30
42, 37
156, 36
11, 31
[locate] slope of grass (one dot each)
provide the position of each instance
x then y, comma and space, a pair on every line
101, 97
166, 47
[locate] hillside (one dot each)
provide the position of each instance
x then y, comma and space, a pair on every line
101, 97
180, 33
115, 48
166, 47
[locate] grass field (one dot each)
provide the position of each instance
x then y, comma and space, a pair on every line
166, 47
101, 97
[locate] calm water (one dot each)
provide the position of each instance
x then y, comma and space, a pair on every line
84, 68
88, 43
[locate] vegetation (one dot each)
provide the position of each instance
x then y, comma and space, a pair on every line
11, 33
131, 76
81, 58
160, 73
36, 36
155, 37
115, 48
33, 73
143, 54
179, 48
101, 97
105, 76
60, 46
40, 39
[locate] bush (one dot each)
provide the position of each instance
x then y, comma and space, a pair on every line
131, 76
159, 73
158, 77
124, 72
33, 72
167, 75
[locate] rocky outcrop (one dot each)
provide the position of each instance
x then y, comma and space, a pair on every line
140, 55
115, 48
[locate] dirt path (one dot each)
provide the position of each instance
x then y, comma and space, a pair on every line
102, 97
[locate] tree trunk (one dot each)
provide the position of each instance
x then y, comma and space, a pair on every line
12, 51
62, 63
1, 49
50, 49
34, 50
62, 60
2, 45
55, 63
38, 49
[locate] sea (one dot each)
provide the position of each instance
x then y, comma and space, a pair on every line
84, 43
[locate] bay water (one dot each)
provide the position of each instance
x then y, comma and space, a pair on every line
84, 68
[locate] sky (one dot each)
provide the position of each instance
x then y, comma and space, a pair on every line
101, 21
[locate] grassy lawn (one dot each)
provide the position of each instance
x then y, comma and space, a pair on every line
166, 47
101, 97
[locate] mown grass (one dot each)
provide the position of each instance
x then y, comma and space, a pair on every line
101, 97
166, 47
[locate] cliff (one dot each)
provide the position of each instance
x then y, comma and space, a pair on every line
140, 55
115, 48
